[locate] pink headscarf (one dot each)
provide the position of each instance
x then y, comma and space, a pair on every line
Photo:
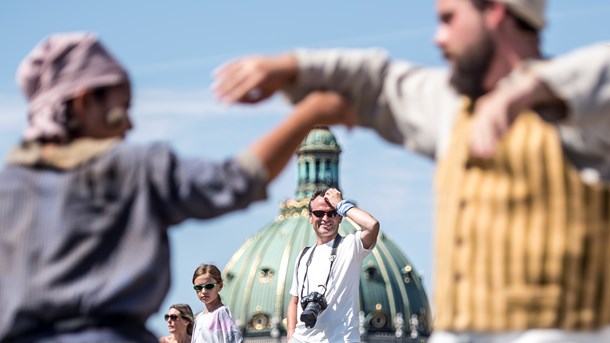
54, 71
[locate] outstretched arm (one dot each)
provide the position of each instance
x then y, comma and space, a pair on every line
195, 188
397, 99
497, 110
253, 79
573, 89
368, 223
322, 108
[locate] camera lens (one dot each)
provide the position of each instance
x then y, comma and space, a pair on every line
309, 316
312, 304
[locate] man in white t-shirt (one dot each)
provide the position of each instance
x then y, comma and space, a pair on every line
325, 289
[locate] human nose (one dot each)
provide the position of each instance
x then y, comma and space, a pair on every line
440, 36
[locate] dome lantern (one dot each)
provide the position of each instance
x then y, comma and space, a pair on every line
317, 162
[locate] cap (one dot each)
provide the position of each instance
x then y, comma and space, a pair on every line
530, 11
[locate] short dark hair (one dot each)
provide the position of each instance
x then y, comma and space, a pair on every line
479, 4
317, 193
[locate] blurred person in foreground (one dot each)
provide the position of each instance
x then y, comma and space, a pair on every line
84, 251
523, 152
179, 320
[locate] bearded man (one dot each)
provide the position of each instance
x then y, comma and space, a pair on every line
523, 163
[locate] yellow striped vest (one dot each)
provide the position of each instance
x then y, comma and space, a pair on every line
521, 241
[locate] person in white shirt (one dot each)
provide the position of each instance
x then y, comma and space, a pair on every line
324, 305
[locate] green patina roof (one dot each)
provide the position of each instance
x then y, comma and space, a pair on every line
259, 275
320, 139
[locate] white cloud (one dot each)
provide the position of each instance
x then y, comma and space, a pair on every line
12, 110
196, 102
400, 35
583, 12
203, 62
12, 120
214, 61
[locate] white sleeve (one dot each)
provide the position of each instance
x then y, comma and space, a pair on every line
582, 80
359, 249
294, 288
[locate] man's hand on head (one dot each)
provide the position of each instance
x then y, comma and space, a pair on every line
333, 197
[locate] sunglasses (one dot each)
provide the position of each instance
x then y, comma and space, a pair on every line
320, 214
173, 317
200, 287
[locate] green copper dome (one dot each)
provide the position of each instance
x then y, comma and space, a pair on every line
259, 275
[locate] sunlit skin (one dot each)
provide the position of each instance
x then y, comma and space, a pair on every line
177, 326
326, 228
459, 29
209, 297
468, 44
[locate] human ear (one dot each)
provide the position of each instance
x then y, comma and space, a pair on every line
81, 102
495, 13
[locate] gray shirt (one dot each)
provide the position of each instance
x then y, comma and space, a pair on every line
91, 239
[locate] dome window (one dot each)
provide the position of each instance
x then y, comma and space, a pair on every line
378, 319
265, 274
406, 271
229, 276
259, 322
371, 272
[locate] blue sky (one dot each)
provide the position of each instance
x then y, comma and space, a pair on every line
171, 49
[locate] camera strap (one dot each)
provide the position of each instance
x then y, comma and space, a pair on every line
331, 258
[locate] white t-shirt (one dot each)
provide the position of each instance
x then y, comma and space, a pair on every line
339, 321
216, 327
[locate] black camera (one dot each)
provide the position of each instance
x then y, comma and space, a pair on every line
312, 305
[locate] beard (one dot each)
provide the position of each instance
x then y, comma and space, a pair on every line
470, 69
